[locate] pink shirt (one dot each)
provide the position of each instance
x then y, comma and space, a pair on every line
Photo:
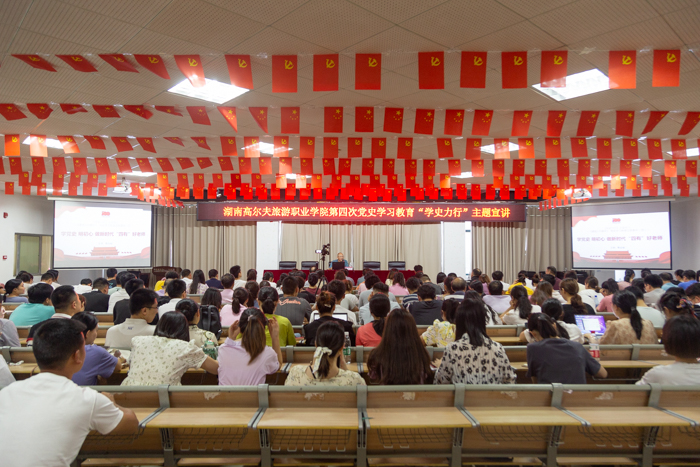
606, 305
396, 289
227, 295
234, 369
227, 316
367, 336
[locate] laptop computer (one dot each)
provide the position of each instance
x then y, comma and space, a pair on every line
314, 316
591, 324
336, 265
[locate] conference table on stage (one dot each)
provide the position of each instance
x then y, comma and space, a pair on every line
330, 273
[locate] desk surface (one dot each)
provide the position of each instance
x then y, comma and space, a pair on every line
692, 413
417, 417
310, 418
201, 417
627, 416
25, 369
351, 366
522, 416
608, 364
508, 340
142, 412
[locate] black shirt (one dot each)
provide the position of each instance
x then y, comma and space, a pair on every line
96, 301
311, 328
560, 361
122, 312
570, 312
426, 312
215, 284
112, 283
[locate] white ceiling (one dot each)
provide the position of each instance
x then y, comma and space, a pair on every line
397, 28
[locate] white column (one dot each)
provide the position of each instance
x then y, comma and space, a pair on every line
454, 250
267, 246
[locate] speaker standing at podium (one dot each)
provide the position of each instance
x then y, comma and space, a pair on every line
341, 259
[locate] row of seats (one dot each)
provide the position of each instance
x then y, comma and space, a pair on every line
450, 425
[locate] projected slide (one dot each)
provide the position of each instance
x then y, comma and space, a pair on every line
101, 235
621, 236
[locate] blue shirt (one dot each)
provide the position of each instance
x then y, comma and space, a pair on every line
98, 362
668, 286
685, 285
29, 314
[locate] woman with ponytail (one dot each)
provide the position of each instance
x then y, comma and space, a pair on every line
591, 294
328, 367
574, 303
268, 299
675, 304
629, 277
325, 304
552, 358
552, 308
370, 335
520, 307
231, 312
629, 328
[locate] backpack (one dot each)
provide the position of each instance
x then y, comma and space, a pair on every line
210, 320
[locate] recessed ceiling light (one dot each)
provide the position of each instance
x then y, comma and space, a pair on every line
51, 143
577, 85
213, 91
491, 149
692, 152
463, 175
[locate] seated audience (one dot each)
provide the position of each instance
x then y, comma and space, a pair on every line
543, 292
269, 277
492, 318
573, 275
198, 285
37, 309
553, 308
9, 337
143, 305
675, 304
591, 294
369, 283
390, 277
253, 289
681, 338
214, 281
693, 293
498, 276
520, 307
97, 362
574, 303
553, 358
111, 274
400, 357
656, 317
495, 299
629, 275
237, 274
425, 279
653, 287
269, 299
607, 290
247, 361
667, 279
165, 356
49, 407
485, 281
439, 279
296, 310
473, 358
169, 276
197, 335
378, 288
351, 301
328, 367
555, 291
231, 312
370, 334
689, 277
122, 312
251, 275
629, 328
398, 286
325, 304
522, 280
458, 288
412, 286
13, 289
118, 293
442, 333
447, 284
427, 309
186, 276
6, 378
98, 299
552, 271
314, 286
227, 282
339, 289
176, 290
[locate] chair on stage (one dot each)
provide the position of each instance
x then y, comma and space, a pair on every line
309, 264
373, 265
400, 265
288, 264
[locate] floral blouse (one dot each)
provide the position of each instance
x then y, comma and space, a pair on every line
156, 360
298, 377
620, 332
441, 334
470, 364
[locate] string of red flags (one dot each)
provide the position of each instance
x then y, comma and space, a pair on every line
474, 66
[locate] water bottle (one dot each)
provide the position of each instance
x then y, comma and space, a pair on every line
594, 350
209, 349
346, 350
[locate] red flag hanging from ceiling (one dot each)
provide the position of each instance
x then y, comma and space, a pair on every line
306, 166
80, 166
147, 144
165, 164
229, 113
410, 167
622, 69
368, 71
501, 148
102, 165
285, 165
244, 166
630, 149
473, 70
393, 120
473, 150
251, 147
328, 167
12, 145
655, 117
168, 109
201, 141
11, 112
587, 122
514, 70
41, 111
521, 122
199, 115
552, 148
404, 148
691, 169
71, 109
284, 73
78, 63
281, 146
38, 166
265, 165
59, 165
123, 164
454, 122
424, 121
69, 144
35, 61
290, 120
326, 72
174, 140
228, 146
431, 70
555, 122
330, 148
378, 148
645, 168
541, 167
691, 119
553, 69
119, 62
191, 67
144, 164
37, 145
307, 147
444, 146
482, 122
563, 168
139, 110
477, 168
240, 70
604, 148
333, 119
354, 147
122, 143
260, 116
667, 68
225, 163
579, 148
364, 119
604, 168
429, 167
518, 168
678, 148
654, 149
624, 122
454, 167
106, 111
154, 64
625, 168
15, 165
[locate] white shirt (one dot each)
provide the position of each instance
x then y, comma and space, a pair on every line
187, 282
574, 332
120, 335
656, 317
81, 289
595, 297
350, 301
55, 285
513, 316
675, 374
115, 297
588, 299
6, 377
45, 419
238, 284
166, 307
556, 294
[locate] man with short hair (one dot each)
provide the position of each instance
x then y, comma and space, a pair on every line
237, 274
98, 300
46, 278
51, 408
118, 293
176, 290
652, 286
54, 274
84, 287
214, 281
341, 259
269, 277
187, 277
425, 279
412, 285
495, 299
679, 276
143, 305
370, 280
553, 271
294, 308
693, 293
498, 276
38, 308
459, 288
427, 309
227, 282
122, 312
418, 268
112, 277
362, 278
65, 301
573, 275
377, 289
688, 279
667, 279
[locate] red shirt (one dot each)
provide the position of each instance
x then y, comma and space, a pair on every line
367, 336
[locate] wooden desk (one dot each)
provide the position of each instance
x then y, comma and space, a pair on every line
351, 366
142, 412
25, 369
627, 416
309, 418
608, 364
692, 413
522, 416
508, 340
210, 417
417, 417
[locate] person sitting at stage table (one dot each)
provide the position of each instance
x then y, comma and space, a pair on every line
341, 259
